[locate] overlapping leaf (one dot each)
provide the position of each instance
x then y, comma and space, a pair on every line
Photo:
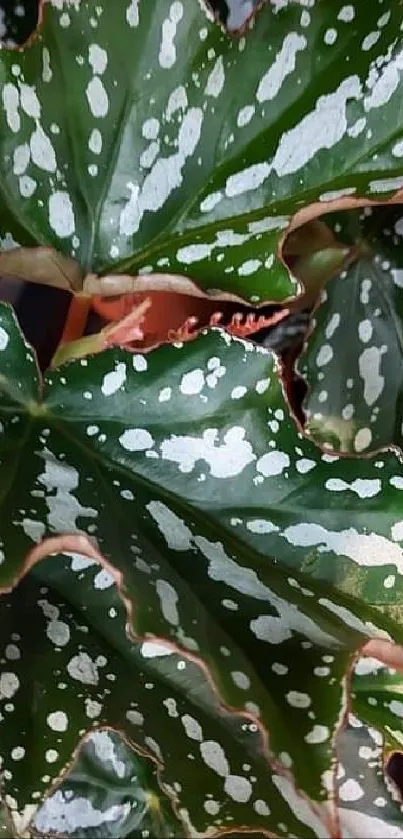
354, 399
219, 435
82, 671
111, 791
80, 676
368, 803
204, 172
92, 461
377, 698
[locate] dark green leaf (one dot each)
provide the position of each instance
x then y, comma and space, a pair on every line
111, 791
75, 669
377, 698
204, 172
368, 804
354, 400
270, 643
217, 437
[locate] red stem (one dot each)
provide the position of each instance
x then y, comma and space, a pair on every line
76, 320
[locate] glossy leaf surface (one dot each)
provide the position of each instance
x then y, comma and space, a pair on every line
354, 399
185, 465
369, 804
76, 668
218, 438
288, 645
205, 172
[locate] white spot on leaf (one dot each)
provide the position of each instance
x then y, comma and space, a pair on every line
282, 67
238, 788
57, 721
61, 214
4, 339
216, 79
9, 684
214, 757
272, 463
82, 668
114, 380
225, 460
176, 533
97, 98
318, 734
136, 440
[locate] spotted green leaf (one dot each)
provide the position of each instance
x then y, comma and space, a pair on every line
369, 805
218, 438
204, 173
377, 698
83, 673
112, 790
354, 398
275, 649
72, 668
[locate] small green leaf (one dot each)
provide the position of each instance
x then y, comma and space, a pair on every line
354, 399
377, 699
111, 791
368, 804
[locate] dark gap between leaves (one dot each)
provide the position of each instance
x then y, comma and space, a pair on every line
394, 770
234, 15
41, 311
18, 21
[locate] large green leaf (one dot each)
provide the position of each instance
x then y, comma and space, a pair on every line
74, 676
198, 489
127, 140
217, 437
81, 670
354, 399
270, 644
73, 668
